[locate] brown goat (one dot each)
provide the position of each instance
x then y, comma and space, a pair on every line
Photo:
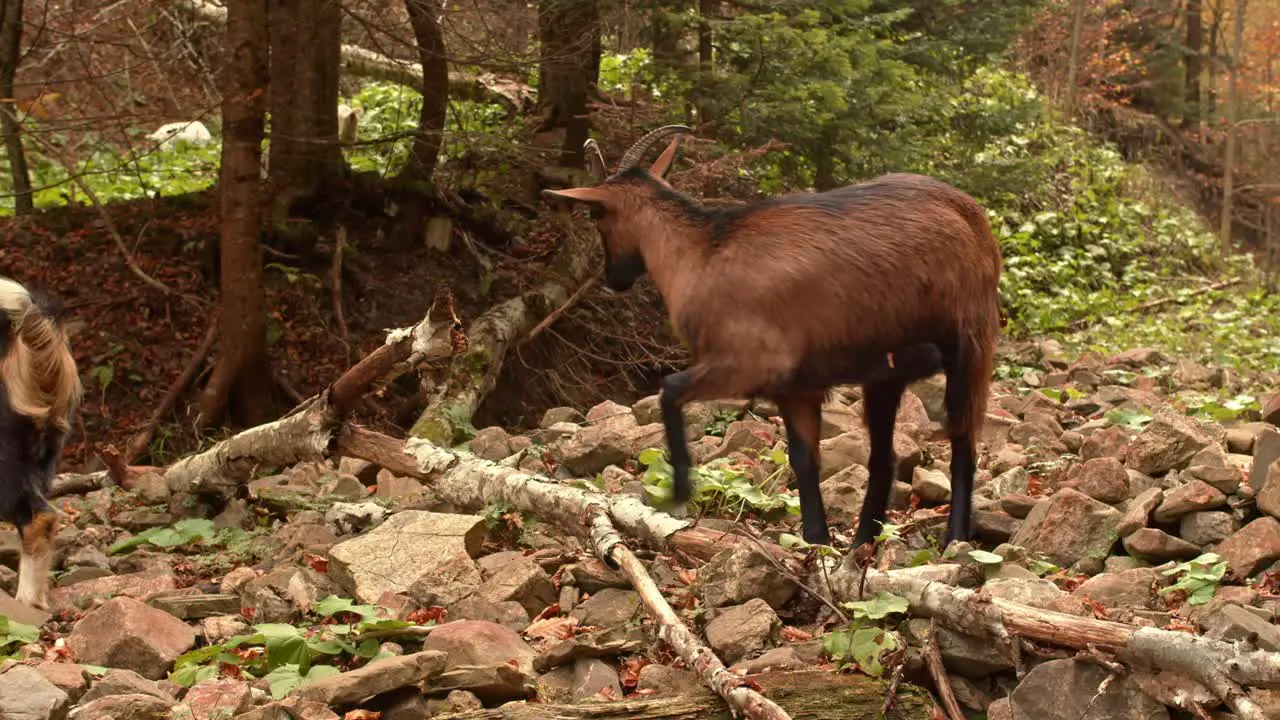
882, 283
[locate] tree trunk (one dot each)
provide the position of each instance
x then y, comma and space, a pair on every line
10, 44
707, 9
305, 56
569, 31
1233, 109
424, 17
810, 694
1073, 60
1215, 32
1193, 64
242, 377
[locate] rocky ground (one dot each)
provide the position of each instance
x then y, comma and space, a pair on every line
342, 590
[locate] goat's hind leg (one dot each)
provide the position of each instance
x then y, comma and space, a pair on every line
37, 557
880, 411
802, 414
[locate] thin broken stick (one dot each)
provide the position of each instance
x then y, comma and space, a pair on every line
933, 657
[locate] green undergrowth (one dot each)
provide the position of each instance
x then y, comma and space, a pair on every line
727, 487
13, 635
341, 635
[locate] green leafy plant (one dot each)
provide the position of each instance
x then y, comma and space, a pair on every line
193, 533
14, 634
1127, 417
1198, 577
863, 643
720, 485
288, 657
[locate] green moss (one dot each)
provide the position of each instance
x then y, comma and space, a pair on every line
434, 429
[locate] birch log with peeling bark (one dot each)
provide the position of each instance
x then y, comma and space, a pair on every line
474, 373
362, 62
1220, 666
809, 694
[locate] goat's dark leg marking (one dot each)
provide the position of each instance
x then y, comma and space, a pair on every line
880, 410
802, 415
675, 388
959, 399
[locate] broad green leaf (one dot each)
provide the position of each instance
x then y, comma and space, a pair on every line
986, 558
878, 607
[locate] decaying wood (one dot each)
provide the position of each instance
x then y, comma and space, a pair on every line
474, 373
1220, 666
142, 438
938, 671
740, 697
808, 694
79, 483
366, 63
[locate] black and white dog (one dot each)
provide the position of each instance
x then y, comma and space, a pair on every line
40, 391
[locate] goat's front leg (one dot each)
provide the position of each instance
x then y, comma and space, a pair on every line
36, 558
675, 391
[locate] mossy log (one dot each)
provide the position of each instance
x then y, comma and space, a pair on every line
808, 694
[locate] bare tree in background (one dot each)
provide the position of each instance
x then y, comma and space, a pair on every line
1073, 61
424, 16
241, 379
10, 45
1233, 109
305, 41
1193, 64
569, 66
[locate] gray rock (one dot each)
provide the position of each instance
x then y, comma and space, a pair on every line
1102, 479
1157, 545
608, 608
742, 630
453, 579
1138, 514
1232, 623
1069, 526
571, 415
393, 556
491, 443
1031, 591
281, 595
125, 633
478, 643
374, 679
1167, 443
931, 486
509, 614
25, 694
1107, 442
742, 572
968, 655
512, 576
1193, 496
134, 707
665, 680
1129, 589
1207, 527
1053, 690
355, 517
1268, 497
1252, 547
844, 491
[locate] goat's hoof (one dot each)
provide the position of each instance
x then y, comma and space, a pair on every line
31, 601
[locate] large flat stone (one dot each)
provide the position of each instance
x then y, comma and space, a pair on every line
400, 551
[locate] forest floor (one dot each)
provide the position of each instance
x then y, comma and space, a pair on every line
136, 339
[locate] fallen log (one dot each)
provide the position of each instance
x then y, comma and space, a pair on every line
1222, 667
474, 373
809, 694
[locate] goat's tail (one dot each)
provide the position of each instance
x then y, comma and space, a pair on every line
37, 369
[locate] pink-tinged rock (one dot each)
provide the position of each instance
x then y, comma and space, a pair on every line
1252, 547
218, 699
126, 633
475, 642
1101, 478
79, 596
1192, 497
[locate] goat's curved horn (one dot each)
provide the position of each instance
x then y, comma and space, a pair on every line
595, 159
642, 145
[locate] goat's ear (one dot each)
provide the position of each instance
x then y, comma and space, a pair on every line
663, 163
594, 195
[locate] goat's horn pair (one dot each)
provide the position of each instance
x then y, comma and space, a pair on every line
595, 159
642, 145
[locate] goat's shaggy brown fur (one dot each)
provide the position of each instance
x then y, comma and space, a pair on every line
787, 297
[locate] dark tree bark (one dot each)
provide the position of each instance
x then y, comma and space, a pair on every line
241, 380
569, 65
10, 44
305, 42
1194, 63
1215, 33
424, 17
707, 9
